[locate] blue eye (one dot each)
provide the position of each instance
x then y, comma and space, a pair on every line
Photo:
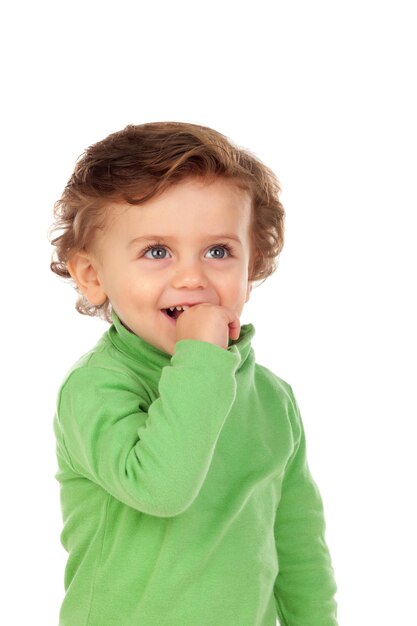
152, 249
222, 247
158, 251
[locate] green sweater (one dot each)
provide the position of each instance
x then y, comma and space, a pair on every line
185, 490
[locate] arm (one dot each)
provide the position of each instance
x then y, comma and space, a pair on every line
305, 587
153, 458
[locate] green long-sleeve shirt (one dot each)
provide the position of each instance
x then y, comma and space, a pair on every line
185, 490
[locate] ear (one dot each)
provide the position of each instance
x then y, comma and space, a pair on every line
82, 268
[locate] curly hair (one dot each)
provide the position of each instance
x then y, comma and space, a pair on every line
140, 162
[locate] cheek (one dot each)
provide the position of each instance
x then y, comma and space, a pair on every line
234, 290
144, 289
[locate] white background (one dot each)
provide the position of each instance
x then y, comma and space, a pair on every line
325, 93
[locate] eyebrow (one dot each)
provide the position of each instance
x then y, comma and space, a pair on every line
169, 238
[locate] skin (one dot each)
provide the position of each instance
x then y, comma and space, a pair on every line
190, 219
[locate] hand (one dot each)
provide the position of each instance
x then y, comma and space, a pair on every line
208, 322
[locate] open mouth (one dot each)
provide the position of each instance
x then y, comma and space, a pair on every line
173, 312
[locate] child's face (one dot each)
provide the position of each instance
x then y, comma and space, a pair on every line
189, 222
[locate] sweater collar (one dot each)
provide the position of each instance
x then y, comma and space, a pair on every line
134, 346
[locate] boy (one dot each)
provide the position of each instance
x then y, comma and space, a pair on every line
185, 490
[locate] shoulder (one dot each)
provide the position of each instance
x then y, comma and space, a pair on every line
97, 370
265, 378
277, 390
92, 393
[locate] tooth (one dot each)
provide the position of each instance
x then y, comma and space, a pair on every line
179, 308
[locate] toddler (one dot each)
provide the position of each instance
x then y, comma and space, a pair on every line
185, 490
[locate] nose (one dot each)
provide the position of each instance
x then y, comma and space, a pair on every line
189, 273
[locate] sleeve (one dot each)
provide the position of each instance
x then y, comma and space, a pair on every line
305, 586
153, 457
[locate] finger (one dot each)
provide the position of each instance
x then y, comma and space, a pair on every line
234, 329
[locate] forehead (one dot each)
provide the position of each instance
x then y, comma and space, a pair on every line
187, 206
